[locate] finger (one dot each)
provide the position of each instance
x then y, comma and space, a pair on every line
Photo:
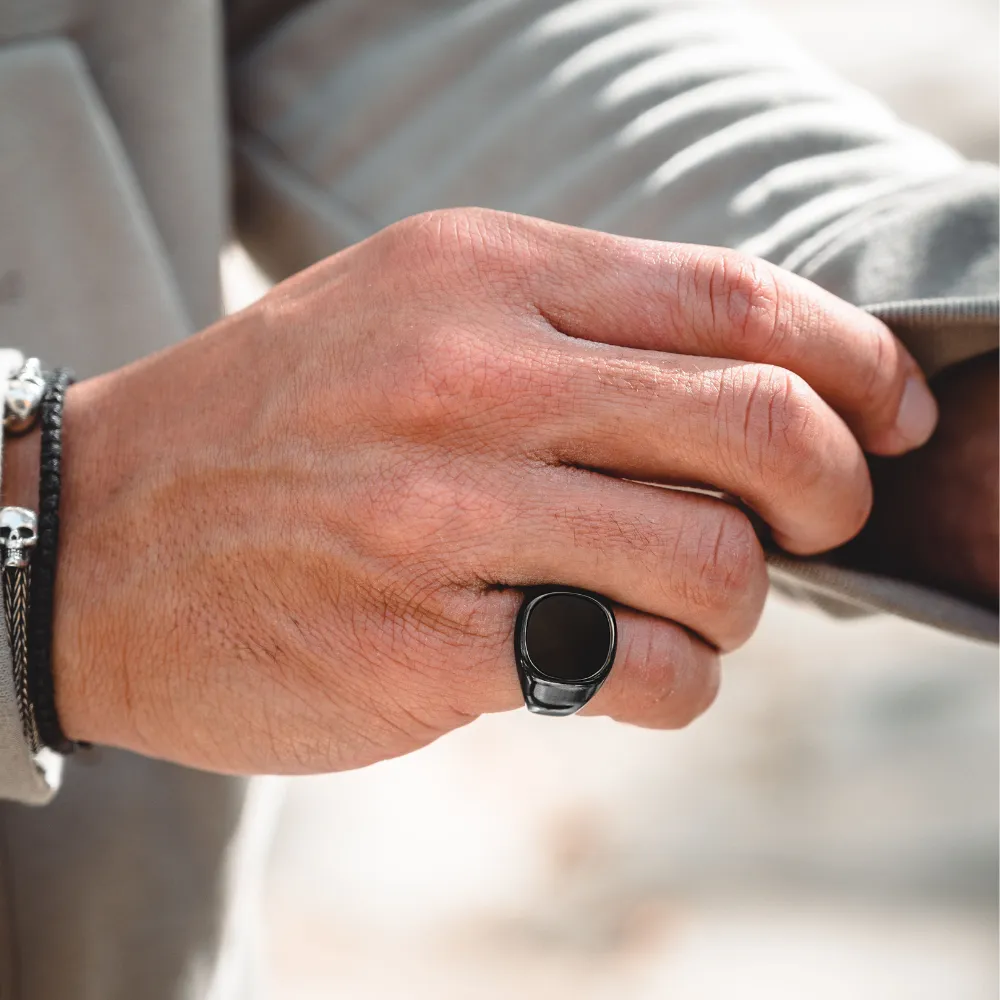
663, 676
689, 558
714, 302
756, 432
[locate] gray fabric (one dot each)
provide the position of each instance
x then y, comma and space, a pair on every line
665, 119
847, 593
169, 127
21, 776
86, 277
679, 119
124, 885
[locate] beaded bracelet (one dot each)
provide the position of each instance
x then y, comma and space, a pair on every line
43, 571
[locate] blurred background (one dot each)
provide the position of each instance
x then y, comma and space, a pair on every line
828, 830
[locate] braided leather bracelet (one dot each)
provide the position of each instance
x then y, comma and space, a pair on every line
43, 570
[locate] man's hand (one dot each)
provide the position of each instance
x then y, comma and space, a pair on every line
293, 542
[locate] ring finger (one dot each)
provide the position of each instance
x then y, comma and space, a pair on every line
663, 676
688, 558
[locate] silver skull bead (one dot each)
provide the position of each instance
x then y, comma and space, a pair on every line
24, 393
18, 532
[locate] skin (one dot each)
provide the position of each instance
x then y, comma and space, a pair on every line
294, 542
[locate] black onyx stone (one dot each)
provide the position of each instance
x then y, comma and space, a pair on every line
568, 636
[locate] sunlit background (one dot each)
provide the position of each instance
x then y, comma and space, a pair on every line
828, 830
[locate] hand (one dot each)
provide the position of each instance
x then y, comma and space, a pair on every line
936, 511
292, 543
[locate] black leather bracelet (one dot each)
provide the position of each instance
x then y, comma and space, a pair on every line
43, 566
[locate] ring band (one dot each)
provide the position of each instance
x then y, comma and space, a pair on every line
564, 645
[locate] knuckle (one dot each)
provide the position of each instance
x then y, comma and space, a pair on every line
673, 678
879, 392
437, 234
857, 506
443, 361
744, 296
728, 566
793, 453
473, 247
467, 388
443, 375
783, 433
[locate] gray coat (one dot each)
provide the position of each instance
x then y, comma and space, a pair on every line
131, 129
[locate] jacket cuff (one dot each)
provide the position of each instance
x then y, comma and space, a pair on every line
24, 776
848, 593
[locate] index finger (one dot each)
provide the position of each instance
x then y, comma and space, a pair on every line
710, 301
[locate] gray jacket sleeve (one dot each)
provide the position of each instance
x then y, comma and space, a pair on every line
666, 119
24, 776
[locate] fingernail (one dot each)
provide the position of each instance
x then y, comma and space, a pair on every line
918, 413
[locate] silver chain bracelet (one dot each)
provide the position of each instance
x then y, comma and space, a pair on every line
18, 536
